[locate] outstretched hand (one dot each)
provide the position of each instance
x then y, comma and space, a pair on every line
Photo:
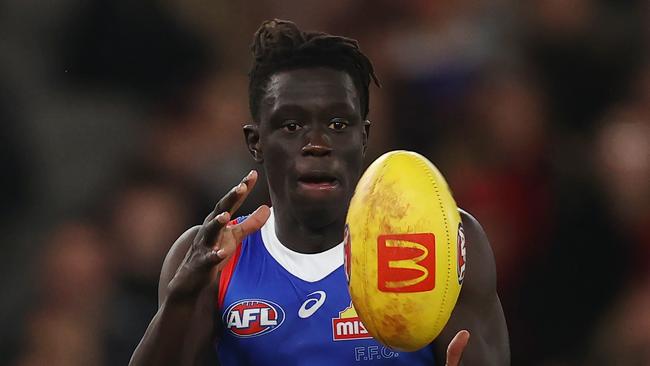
233, 234
216, 240
456, 348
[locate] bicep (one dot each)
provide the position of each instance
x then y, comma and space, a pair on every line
478, 309
173, 259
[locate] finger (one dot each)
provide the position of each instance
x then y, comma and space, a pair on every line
210, 259
456, 348
252, 223
248, 183
212, 229
226, 245
233, 235
235, 197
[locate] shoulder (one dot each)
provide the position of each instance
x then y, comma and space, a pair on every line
481, 268
471, 225
478, 308
173, 259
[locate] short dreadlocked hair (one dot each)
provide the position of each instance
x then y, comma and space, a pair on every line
279, 46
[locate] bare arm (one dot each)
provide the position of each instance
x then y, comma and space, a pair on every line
183, 328
163, 340
478, 309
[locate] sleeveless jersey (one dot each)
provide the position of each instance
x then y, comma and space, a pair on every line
281, 307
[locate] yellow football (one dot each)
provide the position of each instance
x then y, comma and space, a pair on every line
404, 250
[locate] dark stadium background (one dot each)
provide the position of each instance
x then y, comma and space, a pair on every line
120, 127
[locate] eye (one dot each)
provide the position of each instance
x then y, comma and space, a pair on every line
291, 125
338, 124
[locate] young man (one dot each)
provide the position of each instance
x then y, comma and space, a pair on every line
277, 297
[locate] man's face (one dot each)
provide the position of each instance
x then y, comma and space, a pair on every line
312, 139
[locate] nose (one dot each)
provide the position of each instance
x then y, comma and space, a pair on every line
317, 144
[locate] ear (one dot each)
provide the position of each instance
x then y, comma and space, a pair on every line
252, 136
366, 135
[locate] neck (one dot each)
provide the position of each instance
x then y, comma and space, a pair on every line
301, 235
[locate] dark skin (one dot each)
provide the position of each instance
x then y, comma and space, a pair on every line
311, 139
310, 130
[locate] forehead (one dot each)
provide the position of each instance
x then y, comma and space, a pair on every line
310, 88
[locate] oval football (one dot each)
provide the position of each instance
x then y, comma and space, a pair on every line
402, 238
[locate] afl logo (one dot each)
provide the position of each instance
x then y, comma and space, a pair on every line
253, 317
462, 254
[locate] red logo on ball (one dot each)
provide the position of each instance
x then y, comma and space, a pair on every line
406, 262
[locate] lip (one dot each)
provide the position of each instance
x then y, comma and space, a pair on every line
322, 186
318, 182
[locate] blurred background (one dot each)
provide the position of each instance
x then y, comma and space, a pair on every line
121, 127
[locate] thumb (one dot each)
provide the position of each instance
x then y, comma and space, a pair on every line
233, 235
252, 223
456, 348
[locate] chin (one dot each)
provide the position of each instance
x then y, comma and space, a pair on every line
319, 213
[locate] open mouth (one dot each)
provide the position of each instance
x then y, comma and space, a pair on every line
318, 181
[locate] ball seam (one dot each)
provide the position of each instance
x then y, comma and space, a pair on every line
444, 216
370, 315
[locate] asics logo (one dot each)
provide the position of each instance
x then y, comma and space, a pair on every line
312, 304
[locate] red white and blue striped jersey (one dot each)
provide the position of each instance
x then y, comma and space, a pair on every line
281, 307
